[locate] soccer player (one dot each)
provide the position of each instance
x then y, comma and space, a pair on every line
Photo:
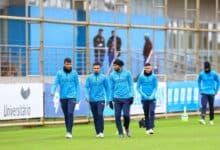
208, 84
68, 81
147, 86
122, 94
97, 91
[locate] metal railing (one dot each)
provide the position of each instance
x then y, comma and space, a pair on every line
17, 60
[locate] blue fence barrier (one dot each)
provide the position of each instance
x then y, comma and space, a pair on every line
52, 105
180, 94
172, 97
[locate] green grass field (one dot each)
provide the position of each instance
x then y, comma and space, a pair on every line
171, 134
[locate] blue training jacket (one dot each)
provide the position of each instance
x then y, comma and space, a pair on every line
121, 84
147, 86
97, 88
68, 83
208, 83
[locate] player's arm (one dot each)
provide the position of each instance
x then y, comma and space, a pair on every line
217, 83
87, 87
199, 80
131, 84
107, 89
55, 84
112, 85
155, 86
77, 87
139, 88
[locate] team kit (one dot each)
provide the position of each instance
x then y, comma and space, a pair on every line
117, 92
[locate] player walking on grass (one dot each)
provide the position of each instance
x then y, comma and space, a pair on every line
68, 81
147, 86
97, 91
122, 93
208, 84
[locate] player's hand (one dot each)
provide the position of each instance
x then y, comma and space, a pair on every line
111, 105
151, 97
87, 100
146, 97
131, 100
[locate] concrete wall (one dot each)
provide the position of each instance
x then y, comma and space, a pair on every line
6, 3
207, 9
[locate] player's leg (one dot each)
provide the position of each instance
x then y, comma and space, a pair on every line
211, 100
118, 109
70, 114
63, 103
94, 110
101, 106
204, 100
152, 105
126, 115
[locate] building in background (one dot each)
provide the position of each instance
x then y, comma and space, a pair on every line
35, 35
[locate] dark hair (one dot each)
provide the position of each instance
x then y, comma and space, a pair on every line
97, 64
147, 64
67, 60
207, 64
100, 30
113, 31
118, 62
